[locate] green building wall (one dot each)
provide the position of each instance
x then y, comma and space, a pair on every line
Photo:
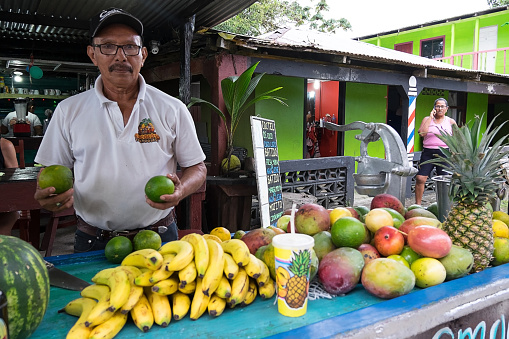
358, 108
461, 36
289, 119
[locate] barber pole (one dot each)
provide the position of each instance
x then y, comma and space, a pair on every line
412, 96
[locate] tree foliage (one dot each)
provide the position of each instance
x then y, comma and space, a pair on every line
268, 15
498, 3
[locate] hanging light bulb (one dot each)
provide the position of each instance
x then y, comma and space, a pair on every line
18, 78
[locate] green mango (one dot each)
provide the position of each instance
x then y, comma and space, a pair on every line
397, 218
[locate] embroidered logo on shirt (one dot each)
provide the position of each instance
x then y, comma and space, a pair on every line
146, 132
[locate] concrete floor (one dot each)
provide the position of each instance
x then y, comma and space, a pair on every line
64, 240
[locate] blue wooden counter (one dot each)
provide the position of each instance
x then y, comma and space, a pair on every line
358, 314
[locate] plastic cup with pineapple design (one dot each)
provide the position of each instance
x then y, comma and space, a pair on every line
292, 252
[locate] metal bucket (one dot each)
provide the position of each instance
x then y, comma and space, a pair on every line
442, 183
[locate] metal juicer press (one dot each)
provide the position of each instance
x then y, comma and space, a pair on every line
375, 175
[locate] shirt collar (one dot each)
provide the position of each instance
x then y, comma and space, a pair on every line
103, 100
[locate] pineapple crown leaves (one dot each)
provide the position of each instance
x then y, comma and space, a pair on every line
300, 263
473, 163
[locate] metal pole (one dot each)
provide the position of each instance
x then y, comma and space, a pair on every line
412, 96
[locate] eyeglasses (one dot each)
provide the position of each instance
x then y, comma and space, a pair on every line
440, 106
112, 49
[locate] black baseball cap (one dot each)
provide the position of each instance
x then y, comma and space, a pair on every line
114, 16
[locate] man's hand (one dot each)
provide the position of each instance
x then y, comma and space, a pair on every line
54, 202
170, 200
191, 180
13, 121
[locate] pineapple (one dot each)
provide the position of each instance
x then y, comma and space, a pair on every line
474, 166
297, 285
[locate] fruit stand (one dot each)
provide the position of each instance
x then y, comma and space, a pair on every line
420, 314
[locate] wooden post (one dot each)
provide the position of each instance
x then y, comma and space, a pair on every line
186, 37
215, 70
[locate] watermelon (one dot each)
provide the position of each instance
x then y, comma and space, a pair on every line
25, 282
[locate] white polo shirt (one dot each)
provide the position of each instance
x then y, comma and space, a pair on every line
113, 162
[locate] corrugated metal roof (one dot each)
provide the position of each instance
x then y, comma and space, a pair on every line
333, 44
58, 29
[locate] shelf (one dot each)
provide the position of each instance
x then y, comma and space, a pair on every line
31, 96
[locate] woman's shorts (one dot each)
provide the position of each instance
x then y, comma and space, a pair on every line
428, 154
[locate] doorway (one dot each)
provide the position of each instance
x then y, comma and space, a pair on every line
487, 41
395, 109
323, 102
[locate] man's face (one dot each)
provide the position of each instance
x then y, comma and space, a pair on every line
118, 69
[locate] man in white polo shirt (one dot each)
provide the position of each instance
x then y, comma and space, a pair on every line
116, 137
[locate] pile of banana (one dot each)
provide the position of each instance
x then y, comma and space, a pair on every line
191, 275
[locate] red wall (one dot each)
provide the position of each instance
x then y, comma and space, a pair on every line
326, 102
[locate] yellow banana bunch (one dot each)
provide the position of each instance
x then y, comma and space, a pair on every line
215, 270
264, 276
162, 273
132, 272
189, 288
144, 278
184, 254
100, 313
251, 293
224, 290
254, 268
136, 291
187, 274
267, 290
81, 308
240, 286
160, 307
200, 301
239, 251
134, 296
201, 252
181, 304
142, 314
110, 327
119, 284
147, 258
230, 266
102, 276
167, 286
212, 237
216, 305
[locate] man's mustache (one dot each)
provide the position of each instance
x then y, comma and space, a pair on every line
117, 67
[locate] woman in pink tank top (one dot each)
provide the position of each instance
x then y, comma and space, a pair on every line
430, 127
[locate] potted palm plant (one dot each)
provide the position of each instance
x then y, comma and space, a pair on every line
237, 91
229, 199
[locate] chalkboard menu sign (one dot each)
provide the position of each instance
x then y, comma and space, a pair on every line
270, 194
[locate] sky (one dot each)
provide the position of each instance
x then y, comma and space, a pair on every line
375, 16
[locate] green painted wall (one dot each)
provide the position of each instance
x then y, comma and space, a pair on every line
477, 104
359, 108
289, 119
459, 37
